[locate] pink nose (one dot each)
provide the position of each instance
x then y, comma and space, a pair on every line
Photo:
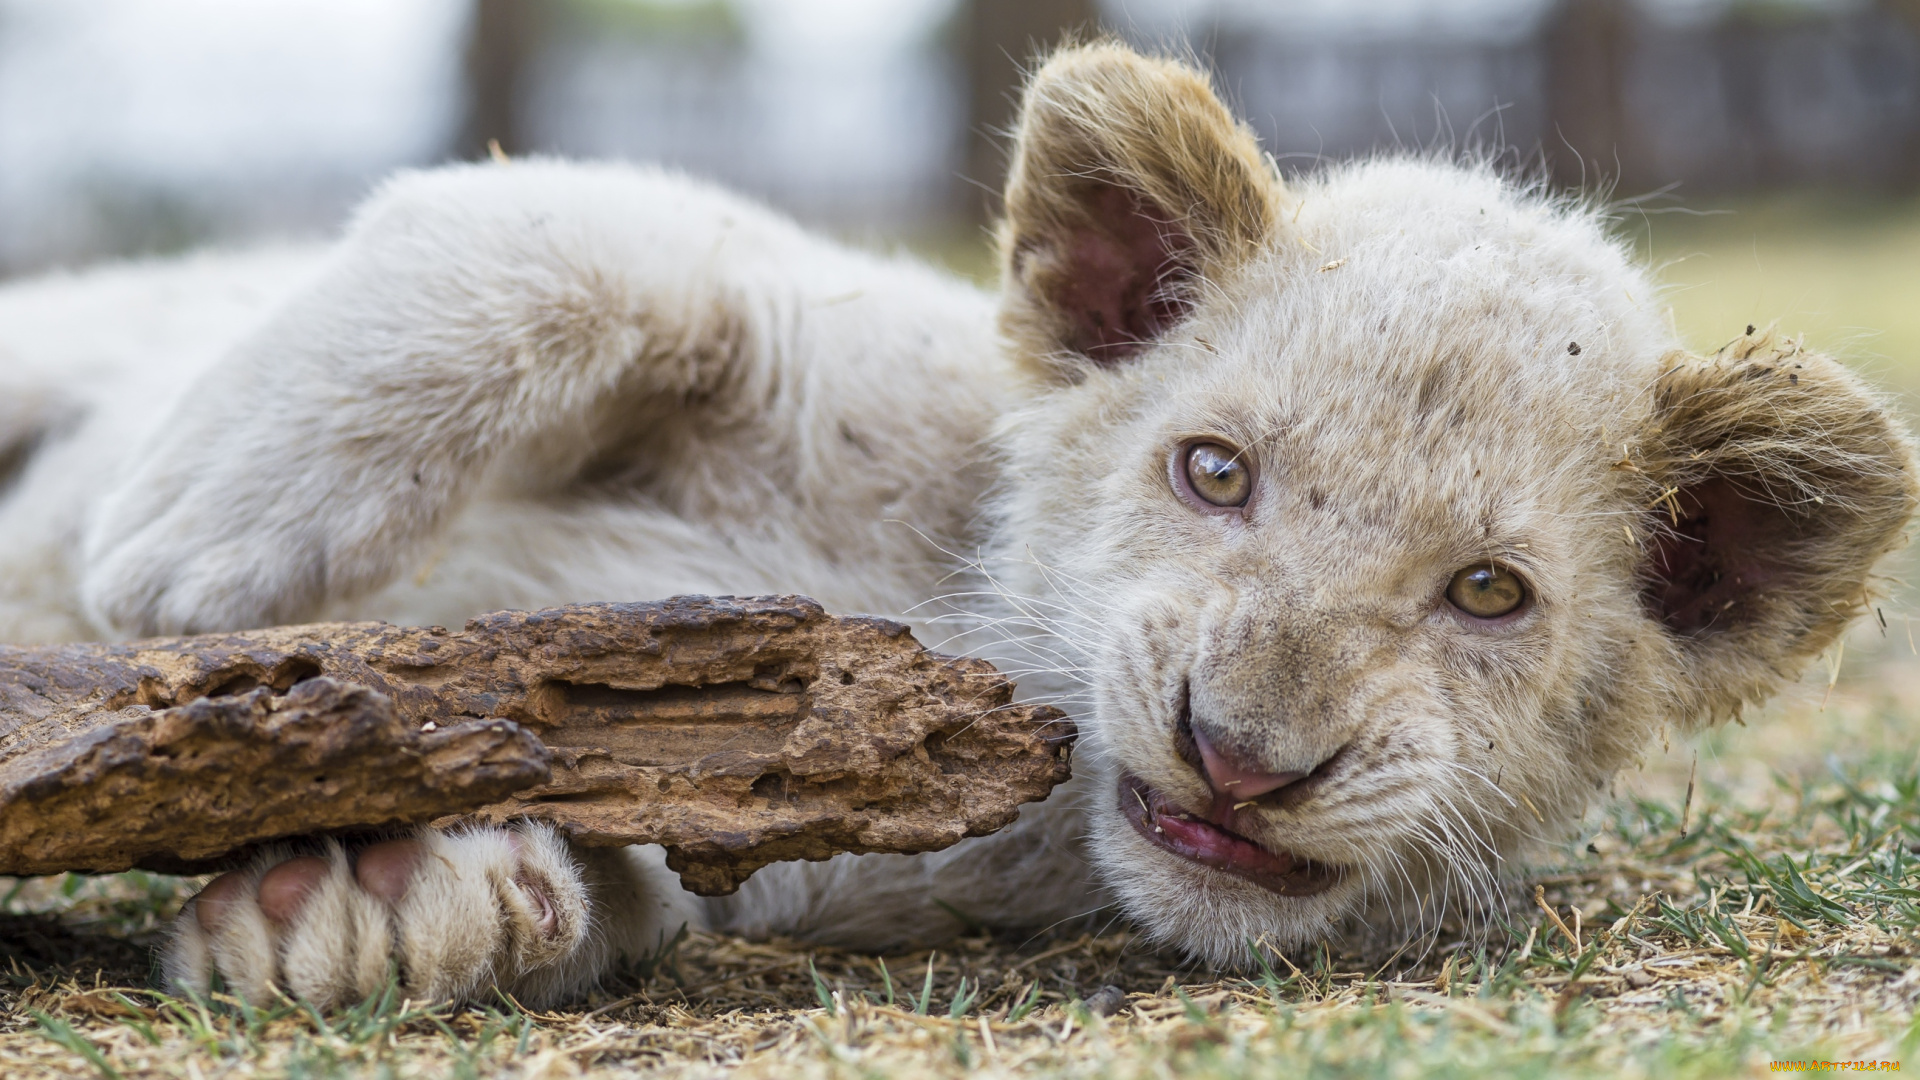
1232, 780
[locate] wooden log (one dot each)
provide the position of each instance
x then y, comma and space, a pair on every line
736, 732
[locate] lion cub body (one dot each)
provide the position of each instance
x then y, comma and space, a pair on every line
539, 383
805, 395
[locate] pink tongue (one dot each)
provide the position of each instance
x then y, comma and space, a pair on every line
1204, 843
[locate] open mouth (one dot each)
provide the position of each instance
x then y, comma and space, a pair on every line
1213, 844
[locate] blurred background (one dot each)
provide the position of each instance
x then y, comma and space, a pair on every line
1764, 154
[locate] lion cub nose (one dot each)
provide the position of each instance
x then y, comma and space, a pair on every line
1233, 780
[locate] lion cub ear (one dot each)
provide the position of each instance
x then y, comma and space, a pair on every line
1130, 185
1780, 482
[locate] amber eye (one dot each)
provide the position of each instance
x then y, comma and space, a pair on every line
1486, 592
1218, 474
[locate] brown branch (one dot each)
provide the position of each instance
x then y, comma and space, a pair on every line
736, 732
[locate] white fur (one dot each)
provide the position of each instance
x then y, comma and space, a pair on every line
541, 383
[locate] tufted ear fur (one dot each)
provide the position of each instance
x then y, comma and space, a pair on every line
1130, 184
1779, 482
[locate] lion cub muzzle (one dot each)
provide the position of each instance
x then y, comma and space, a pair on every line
1236, 739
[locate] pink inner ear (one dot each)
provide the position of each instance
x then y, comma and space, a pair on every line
1120, 289
1707, 568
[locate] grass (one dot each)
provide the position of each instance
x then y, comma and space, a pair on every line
1769, 915
1841, 274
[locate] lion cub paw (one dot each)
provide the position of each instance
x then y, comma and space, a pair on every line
456, 913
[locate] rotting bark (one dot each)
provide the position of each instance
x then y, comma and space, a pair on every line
736, 732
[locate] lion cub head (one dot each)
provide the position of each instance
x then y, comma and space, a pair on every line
1379, 518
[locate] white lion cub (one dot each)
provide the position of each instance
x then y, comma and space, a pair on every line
1363, 523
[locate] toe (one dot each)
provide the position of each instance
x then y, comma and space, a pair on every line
240, 939
548, 907
386, 869
449, 924
284, 889
211, 907
546, 919
186, 960
337, 950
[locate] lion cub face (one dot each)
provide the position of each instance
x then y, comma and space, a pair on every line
1380, 520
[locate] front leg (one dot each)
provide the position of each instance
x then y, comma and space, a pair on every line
454, 915
469, 313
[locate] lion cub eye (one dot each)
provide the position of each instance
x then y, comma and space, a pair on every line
1218, 474
1486, 592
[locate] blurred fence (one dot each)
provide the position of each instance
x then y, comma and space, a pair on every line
1764, 96
1641, 96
